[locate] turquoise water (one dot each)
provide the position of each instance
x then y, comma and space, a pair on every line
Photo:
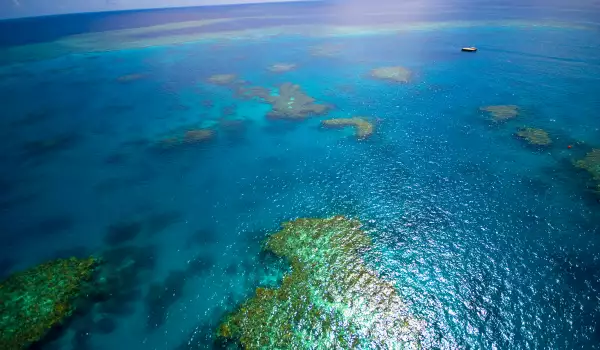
493, 242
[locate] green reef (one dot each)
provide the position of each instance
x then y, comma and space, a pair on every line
501, 113
330, 299
33, 301
394, 74
533, 136
591, 163
363, 128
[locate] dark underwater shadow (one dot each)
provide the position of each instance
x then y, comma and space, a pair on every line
34, 118
202, 237
50, 228
6, 267
281, 127
16, 201
117, 159
235, 132
122, 232
162, 295
76, 251
158, 222
57, 224
111, 295
41, 150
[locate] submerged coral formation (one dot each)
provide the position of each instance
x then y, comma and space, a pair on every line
396, 74
362, 126
131, 77
533, 136
35, 300
222, 79
192, 136
330, 299
591, 163
282, 67
325, 50
501, 113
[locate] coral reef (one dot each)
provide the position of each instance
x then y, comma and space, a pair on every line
330, 299
282, 67
501, 113
222, 79
591, 163
290, 102
249, 92
362, 126
396, 74
293, 103
131, 77
191, 136
325, 50
536, 137
35, 300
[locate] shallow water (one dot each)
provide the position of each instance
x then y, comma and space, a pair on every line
490, 241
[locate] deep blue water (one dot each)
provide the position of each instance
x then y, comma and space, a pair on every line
494, 243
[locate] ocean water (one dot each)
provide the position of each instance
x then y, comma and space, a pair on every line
492, 242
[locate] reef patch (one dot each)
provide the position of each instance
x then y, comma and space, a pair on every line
330, 299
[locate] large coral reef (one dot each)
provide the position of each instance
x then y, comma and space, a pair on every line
34, 301
330, 299
290, 102
363, 128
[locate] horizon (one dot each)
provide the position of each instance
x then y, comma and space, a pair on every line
24, 9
